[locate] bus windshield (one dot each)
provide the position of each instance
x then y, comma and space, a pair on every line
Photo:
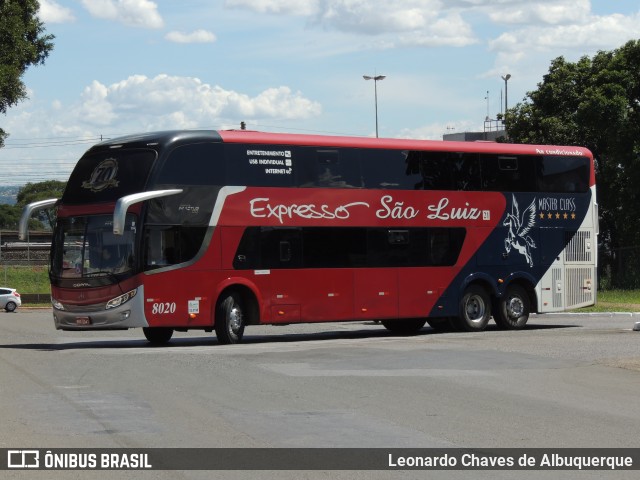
85, 247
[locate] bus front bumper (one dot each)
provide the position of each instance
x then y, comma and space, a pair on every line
128, 315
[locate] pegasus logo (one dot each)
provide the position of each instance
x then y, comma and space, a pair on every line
519, 227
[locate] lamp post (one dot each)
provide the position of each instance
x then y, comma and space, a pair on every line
506, 79
375, 79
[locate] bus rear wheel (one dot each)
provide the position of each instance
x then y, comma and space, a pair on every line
513, 309
230, 320
158, 335
406, 326
475, 309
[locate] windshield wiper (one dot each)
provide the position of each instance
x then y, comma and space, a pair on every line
101, 273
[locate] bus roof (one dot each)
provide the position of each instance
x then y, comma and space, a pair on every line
249, 136
266, 138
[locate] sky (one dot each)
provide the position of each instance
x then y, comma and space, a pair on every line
127, 66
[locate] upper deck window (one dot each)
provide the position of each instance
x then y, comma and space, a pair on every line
194, 164
333, 168
563, 174
509, 173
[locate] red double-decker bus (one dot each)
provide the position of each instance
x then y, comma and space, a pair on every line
218, 230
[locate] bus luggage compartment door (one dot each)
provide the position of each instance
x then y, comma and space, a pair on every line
376, 293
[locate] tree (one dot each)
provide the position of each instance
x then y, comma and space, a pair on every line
32, 192
595, 102
9, 217
22, 44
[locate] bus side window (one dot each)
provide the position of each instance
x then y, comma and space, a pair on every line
509, 173
328, 168
162, 247
281, 247
439, 247
285, 251
466, 171
248, 253
329, 171
194, 164
434, 170
169, 245
391, 169
563, 174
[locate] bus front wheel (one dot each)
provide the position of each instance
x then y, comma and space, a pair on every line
230, 321
158, 335
475, 309
513, 309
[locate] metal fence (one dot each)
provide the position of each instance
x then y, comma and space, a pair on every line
619, 268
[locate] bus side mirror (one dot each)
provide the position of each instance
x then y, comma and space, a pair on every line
123, 204
27, 211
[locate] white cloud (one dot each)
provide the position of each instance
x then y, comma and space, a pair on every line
135, 13
52, 12
392, 22
197, 36
594, 32
95, 108
385, 16
184, 102
137, 104
450, 31
285, 7
568, 29
431, 23
552, 12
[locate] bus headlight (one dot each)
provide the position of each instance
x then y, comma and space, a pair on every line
56, 304
116, 302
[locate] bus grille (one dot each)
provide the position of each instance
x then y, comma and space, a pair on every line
556, 279
579, 247
99, 307
580, 286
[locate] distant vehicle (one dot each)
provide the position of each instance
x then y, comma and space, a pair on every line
9, 299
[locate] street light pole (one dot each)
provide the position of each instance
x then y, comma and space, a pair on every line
506, 79
375, 79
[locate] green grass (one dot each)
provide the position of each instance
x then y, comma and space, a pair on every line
36, 280
25, 279
616, 301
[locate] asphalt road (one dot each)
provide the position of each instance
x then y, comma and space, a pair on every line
564, 381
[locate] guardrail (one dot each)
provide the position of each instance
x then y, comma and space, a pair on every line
39, 298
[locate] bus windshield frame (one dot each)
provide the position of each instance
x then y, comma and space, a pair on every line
85, 248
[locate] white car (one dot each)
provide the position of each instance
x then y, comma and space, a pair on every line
9, 299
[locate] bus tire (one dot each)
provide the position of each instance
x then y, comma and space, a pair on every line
230, 320
513, 308
407, 326
475, 309
158, 335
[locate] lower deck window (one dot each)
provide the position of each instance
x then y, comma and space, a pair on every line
171, 244
273, 248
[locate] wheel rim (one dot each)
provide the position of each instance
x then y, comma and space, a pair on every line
475, 309
235, 319
515, 307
